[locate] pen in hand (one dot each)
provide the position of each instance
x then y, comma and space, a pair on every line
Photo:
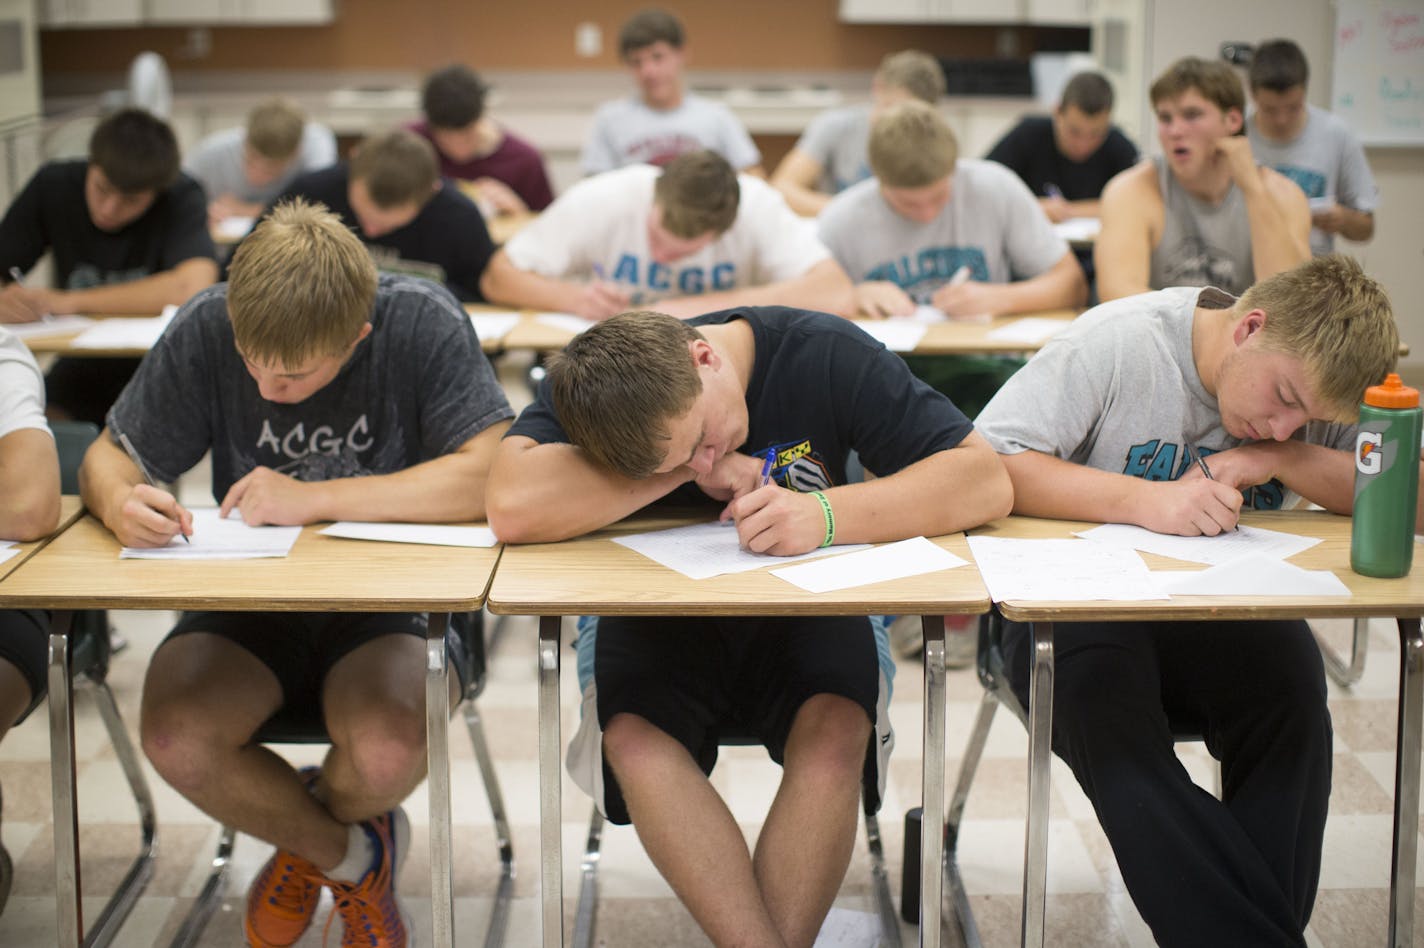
147, 477
1200, 462
766, 467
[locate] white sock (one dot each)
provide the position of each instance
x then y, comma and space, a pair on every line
360, 855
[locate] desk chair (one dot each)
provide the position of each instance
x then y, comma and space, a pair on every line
995, 679
1346, 673
86, 663
587, 915
296, 727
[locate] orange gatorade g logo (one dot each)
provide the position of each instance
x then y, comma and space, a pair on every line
1367, 452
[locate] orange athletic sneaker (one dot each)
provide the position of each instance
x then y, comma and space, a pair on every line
282, 901
284, 895
369, 910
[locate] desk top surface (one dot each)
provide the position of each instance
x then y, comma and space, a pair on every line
594, 575
1369, 596
81, 569
70, 508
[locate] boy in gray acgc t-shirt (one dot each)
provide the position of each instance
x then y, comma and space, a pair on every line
1312, 147
1098, 427
323, 394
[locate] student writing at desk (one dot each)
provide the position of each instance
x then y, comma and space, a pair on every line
692, 237
1266, 387
29, 484
1203, 213
506, 172
645, 407
831, 154
410, 220
1309, 145
323, 393
128, 233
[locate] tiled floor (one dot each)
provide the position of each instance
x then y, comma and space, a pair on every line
1086, 906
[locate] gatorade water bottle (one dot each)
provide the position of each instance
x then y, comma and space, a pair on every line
1386, 480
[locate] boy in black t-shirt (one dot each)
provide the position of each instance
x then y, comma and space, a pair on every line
324, 392
645, 406
391, 196
129, 234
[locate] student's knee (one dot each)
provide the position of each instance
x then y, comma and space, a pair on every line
386, 748
182, 742
828, 740
633, 744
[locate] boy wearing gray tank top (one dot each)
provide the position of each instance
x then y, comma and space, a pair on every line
1203, 213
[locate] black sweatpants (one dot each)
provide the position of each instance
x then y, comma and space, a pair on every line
1242, 870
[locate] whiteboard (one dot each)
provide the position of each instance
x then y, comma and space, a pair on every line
1379, 70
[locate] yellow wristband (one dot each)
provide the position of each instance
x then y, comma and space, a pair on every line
830, 518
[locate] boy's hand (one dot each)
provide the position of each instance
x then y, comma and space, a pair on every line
1235, 150
878, 299
1330, 219
500, 196
1192, 507
151, 517
267, 498
599, 300
1243, 466
21, 304
732, 475
967, 299
777, 521
1056, 208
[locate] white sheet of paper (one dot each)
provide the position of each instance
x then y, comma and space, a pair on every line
234, 227
1030, 329
49, 326
125, 332
1254, 574
927, 314
492, 326
1061, 570
847, 928
566, 321
433, 534
891, 561
7, 552
704, 550
217, 539
897, 335
1222, 548
1079, 228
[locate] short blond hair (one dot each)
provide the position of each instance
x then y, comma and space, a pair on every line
1336, 320
301, 285
618, 385
397, 167
698, 192
274, 128
912, 146
918, 73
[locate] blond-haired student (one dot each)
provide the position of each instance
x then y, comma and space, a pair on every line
324, 392
1101, 425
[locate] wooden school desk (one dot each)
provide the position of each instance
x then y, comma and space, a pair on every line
69, 510
61, 344
1402, 599
594, 576
81, 569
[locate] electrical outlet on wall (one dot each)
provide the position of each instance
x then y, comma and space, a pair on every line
588, 39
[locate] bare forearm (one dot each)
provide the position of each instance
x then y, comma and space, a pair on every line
808, 202
552, 492
1085, 208
1276, 245
1357, 225
446, 489
29, 482
106, 478
1046, 486
145, 296
947, 492
1059, 288
507, 285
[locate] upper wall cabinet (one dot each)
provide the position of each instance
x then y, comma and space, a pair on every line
90, 12
1049, 12
239, 12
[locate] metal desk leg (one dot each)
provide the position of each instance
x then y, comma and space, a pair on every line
62, 780
932, 818
1406, 784
1347, 673
1040, 730
437, 737
551, 863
